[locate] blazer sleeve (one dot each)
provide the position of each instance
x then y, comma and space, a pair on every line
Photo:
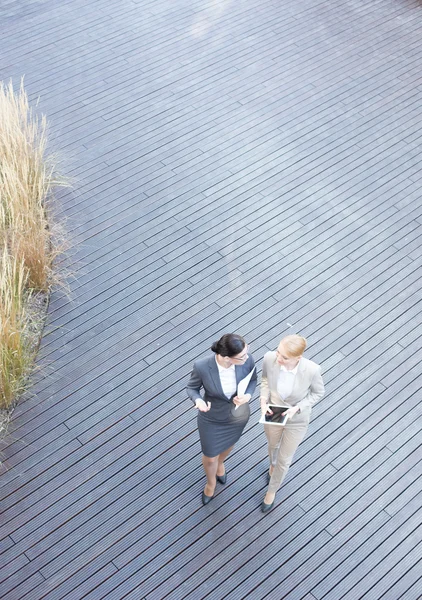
194, 385
264, 394
315, 392
254, 380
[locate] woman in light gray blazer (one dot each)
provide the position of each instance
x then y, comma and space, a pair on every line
288, 379
222, 411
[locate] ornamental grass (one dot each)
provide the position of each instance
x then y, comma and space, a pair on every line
27, 247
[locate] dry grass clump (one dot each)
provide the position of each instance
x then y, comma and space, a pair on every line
15, 351
27, 249
26, 181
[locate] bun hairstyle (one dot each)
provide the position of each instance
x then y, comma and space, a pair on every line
229, 344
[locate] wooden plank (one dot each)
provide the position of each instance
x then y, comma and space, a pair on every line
241, 167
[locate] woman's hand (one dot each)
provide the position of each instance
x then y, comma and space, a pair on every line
239, 400
202, 405
291, 411
266, 410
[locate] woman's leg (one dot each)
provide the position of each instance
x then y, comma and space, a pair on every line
210, 467
221, 458
289, 441
273, 433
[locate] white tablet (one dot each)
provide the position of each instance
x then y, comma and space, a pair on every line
277, 418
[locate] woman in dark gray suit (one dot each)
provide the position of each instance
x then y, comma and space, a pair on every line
222, 411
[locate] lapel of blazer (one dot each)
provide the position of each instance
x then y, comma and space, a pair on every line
215, 376
240, 372
298, 379
275, 372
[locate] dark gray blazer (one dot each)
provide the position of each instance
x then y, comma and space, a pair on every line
205, 376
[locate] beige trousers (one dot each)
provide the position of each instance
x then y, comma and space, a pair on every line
282, 444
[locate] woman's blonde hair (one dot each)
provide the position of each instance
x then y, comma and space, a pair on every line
294, 344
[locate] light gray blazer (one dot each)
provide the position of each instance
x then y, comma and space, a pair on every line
308, 386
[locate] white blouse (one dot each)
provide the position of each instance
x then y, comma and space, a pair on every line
285, 381
227, 379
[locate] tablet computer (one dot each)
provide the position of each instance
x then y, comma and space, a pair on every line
278, 417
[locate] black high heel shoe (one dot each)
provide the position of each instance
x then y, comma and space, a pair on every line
206, 499
266, 507
222, 478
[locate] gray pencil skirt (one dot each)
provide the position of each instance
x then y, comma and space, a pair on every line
220, 429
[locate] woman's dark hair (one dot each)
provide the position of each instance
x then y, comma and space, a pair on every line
229, 344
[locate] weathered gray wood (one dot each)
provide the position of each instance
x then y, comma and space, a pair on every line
250, 167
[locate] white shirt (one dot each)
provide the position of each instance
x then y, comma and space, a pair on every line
285, 381
227, 379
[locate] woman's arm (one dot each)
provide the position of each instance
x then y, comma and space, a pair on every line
194, 385
254, 379
315, 392
264, 393
194, 390
239, 400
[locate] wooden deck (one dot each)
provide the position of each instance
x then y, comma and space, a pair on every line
249, 166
